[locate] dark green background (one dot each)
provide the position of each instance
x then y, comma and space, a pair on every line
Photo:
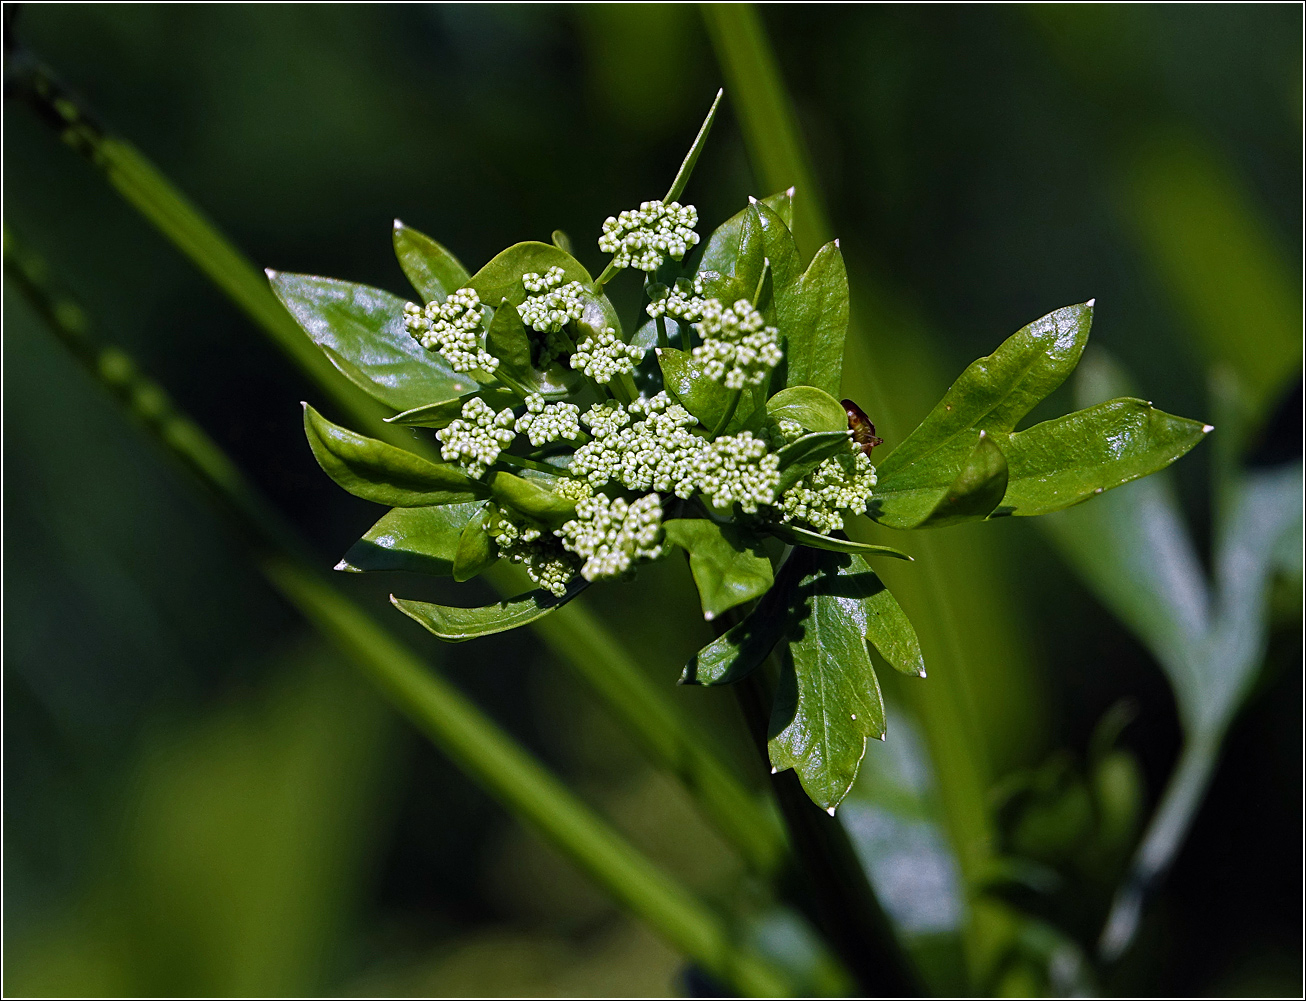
200, 799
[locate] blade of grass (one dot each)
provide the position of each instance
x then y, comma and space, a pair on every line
473, 741
576, 638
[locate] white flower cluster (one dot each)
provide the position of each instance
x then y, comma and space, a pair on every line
738, 347
475, 440
603, 356
609, 535
543, 423
553, 306
542, 556
660, 453
684, 302
842, 482
643, 237
453, 328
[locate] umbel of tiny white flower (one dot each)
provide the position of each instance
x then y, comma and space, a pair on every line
554, 304
737, 348
543, 423
453, 328
541, 555
843, 482
609, 535
475, 440
644, 237
603, 356
684, 302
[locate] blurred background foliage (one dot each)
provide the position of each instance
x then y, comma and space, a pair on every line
202, 799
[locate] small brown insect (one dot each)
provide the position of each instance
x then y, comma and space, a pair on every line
861, 427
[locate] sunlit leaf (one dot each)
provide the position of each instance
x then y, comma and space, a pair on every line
813, 320
813, 408
378, 472
800, 457
433, 271
361, 329
976, 489
728, 566
506, 339
416, 539
708, 400
458, 624
476, 550
531, 499
691, 158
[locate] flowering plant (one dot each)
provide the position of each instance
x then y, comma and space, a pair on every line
581, 448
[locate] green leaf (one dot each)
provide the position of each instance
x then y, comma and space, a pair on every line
796, 536
975, 490
440, 415
459, 624
708, 400
378, 472
738, 651
813, 408
361, 329
995, 392
779, 247
501, 278
531, 499
476, 550
812, 315
1052, 465
1064, 461
687, 167
728, 565
800, 457
416, 539
506, 339
782, 204
735, 252
433, 271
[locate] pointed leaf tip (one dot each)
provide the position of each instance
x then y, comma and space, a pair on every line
830, 811
1207, 428
270, 272
399, 224
1090, 302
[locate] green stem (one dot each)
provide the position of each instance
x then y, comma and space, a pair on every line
609, 273
452, 723
521, 462
151, 193
731, 407
663, 340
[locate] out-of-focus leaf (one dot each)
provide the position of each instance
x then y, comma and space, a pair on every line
691, 158
476, 551
995, 392
378, 472
458, 624
440, 415
973, 493
813, 408
433, 271
417, 539
829, 699
704, 397
531, 499
728, 566
796, 536
800, 457
813, 320
361, 329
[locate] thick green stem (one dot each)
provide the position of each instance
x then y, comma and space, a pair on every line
151, 193
452, 723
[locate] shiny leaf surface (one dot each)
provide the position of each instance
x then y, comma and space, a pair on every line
728, 566
813, 320
702, 396
476, 550
361, 329
378, 472
976, 489
738, 651
439, 415
813, 408
458, 624
416, 539
506, 339
691, 158
433, 271
531, 499
800, 457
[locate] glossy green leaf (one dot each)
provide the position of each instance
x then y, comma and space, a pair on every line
506, 339
796, 536
739, 651
459, 624
501, 278
361, 329
828, 701
531, 499
416, 539
995, 392
433, 271
728, 566
800, 457
705, 398
476, 550
779, 247
813, 408
691, 158
975, 490
813, 320
378, 472
440, 415
734, 254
